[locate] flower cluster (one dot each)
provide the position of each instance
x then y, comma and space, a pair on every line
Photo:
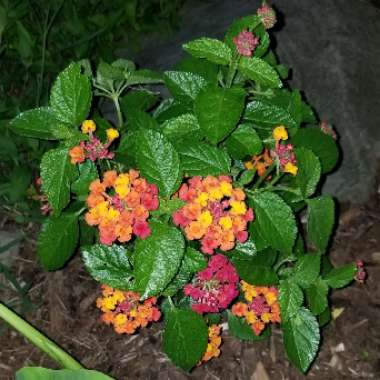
215, 213
267, 16
326, 128
124, 311
246, 43
262, 307
120, 206
361, 273
93, 149
214, 342
284, 152
215, 287
260, 162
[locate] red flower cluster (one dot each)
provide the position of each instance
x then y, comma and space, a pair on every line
215, 287
361, 273
215, 213
246, 43
125, 312
120, 206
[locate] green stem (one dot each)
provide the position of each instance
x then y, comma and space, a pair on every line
38, 339
115, 99
232, 71
261, 179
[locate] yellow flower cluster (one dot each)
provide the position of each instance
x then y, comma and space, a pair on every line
214, 342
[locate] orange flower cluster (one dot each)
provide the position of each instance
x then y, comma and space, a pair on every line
120, 206
261, 162
124, 310
214, 342
263, 307
215, 213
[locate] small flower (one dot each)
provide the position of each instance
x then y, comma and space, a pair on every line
214, 342
260, 162
290, 168
88, 126
246, 42
328, 129
112, 134
361, 273
280, 133
267, 16
77, 155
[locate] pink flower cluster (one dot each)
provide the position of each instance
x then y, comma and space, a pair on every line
246, 42
361, 273
267, 16
285, 154
215, 287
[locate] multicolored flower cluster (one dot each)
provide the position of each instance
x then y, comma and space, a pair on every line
284, 152
262, 307
124, 310
215, 213
120, 206
328, 129
246, 43
267, 16
214, 342
215, 287
260, 162
93, 149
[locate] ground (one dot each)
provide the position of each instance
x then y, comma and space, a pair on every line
65, 311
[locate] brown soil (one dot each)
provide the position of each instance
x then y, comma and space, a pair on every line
65, 311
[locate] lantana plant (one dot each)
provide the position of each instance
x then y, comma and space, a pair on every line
202, 209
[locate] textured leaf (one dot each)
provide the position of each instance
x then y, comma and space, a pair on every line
185, 338
323, 146
57, 173
291, 298
193, 261
57, 240
244, 141
252, 273
244, 250
39, 373
70, 96
41, 123
274, 221
142, 100
320, 221
157, 259
239, 328
268, 115
259, 71
301, 338
316, 296
144, 77
183, 126
218, 111
309, 171
157, 160
138, 119
87, 173
307, 269
184, 86
199, 66
203, 159
210, 48
264, 41
341, 276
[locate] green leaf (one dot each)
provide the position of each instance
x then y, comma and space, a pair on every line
183, 126
40, 123
201, 67
255, 274
108, 265
39, 373
185, 338
309, 171
193, 261
267, 115
142, 100
218, 111
325, 317
157, 160
320, 221
307, 269
259, 71
244, 141
301, 338
70, 96
316, 296
87, 173
57, 174
264, 41
323, 146
157, 259
138, 119
244, 250
291, 298
144, 77
184, 86
167, 207
211, 49
203, 159
341, 276
275, 221
239, 328
57, 240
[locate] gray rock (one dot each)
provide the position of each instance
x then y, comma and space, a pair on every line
333, 48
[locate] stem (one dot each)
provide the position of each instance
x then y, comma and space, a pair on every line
261, 179
38, 339
232, 71
115, 99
